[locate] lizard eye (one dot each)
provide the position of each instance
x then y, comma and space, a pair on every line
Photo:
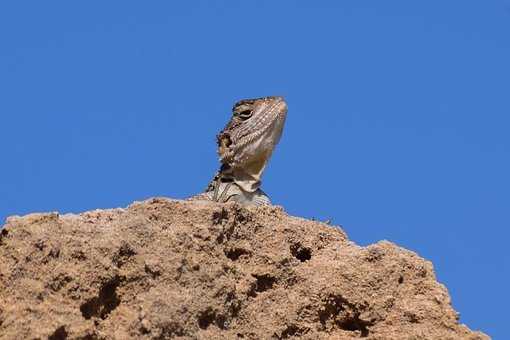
245, 114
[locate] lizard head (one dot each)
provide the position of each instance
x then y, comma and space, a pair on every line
253, 131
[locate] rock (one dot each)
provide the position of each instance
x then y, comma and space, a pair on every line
164, 269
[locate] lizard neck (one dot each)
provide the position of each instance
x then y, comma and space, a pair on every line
248, 178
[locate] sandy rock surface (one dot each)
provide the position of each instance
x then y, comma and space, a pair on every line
163, 269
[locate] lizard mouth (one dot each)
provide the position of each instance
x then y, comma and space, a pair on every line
282, 105
277, 108
279, 102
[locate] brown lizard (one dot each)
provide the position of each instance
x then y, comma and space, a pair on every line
245, 146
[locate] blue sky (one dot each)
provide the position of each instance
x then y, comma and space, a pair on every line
397, 128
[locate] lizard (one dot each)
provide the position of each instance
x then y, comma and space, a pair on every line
245, 146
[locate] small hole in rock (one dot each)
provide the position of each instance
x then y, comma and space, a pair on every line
124, 253
235, 253
301, 253
105, 303
208, 317
354, 324
400, 280
59, 334
3, 233
291, 331
263, 283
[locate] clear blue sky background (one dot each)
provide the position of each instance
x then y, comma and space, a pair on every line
398, 124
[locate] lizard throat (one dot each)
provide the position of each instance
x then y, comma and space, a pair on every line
248, 178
